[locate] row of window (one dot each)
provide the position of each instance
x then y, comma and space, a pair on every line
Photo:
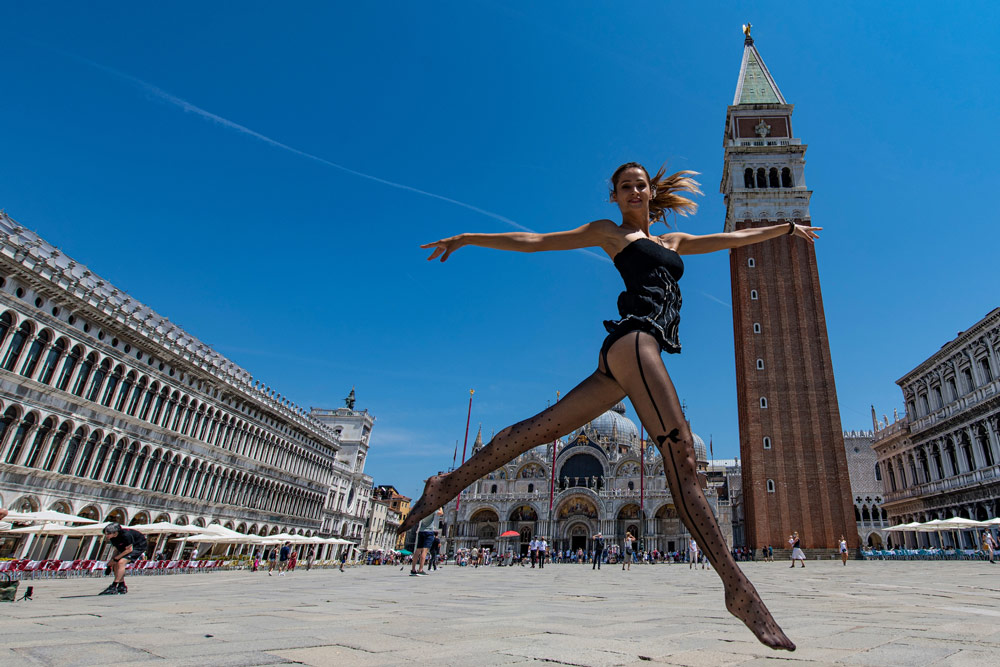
72, 320
760, 364
767, 178
866, 516
938, 400
939, 460
88, 376
117, 460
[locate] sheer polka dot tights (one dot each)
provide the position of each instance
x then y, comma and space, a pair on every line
634, 368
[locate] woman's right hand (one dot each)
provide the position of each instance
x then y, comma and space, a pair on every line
445, 247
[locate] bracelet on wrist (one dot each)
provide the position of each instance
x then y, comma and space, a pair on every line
791, 228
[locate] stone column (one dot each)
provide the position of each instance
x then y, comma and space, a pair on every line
977, 452
57, 554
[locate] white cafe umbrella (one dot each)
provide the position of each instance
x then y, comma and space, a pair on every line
961, 523
915, 525
60, 529
48, 520
46, 516
165, 527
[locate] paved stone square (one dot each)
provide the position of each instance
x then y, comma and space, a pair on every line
868, 613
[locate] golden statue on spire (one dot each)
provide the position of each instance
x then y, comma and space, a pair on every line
746, 28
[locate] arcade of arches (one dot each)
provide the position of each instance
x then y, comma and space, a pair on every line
108, 409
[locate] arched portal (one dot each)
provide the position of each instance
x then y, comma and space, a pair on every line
576, 512
483, 525
523, 519
672, 535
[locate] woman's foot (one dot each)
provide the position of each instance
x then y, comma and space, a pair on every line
432, 499
744, 603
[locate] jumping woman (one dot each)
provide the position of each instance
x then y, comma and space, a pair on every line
629, 363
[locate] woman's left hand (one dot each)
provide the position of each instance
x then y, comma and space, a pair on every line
807, 233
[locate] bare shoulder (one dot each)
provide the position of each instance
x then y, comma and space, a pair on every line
674, 240
608, 235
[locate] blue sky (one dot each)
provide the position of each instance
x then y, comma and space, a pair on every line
189, 152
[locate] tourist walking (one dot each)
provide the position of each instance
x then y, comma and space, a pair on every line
272, 559
310, 555
435, 551
283, 555
989, 544
797, 553
130, 545
543, 551
629, 363
694, 555
343, 559
425, 538
533, 551
843, 550
598, 551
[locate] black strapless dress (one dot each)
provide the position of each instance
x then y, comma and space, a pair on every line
651, 301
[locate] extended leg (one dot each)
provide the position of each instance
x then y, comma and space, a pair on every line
636, 363
588, 400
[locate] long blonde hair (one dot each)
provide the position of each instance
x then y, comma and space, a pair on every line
664, 189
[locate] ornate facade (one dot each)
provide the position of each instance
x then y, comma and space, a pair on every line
795, 475
597, 485
942, 458
110, 411
347, 508
867, 491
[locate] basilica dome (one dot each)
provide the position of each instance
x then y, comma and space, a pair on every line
614, 426
700, 451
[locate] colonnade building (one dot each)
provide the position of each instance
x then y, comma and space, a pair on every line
110, 411
942, 458
604, 482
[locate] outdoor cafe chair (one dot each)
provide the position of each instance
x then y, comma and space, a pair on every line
31, 567
65, 567
49, 568
80, 566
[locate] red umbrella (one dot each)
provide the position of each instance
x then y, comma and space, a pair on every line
510, 533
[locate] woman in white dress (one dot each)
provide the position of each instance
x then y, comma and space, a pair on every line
843, 550
797, 553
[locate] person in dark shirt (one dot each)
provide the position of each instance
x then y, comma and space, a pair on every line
598, 551
283, 555
130, 546
435, 551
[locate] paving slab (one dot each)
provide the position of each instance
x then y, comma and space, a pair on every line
868, 613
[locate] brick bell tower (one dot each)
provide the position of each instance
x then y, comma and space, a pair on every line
795, 475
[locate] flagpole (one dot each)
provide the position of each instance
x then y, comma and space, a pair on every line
468, 418
642, 482
552, 486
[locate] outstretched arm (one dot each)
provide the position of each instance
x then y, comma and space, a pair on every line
689, 244
596, 233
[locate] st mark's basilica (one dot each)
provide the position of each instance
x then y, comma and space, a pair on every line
605, 481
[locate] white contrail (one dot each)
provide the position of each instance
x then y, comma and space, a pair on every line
225, 122
716, 299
